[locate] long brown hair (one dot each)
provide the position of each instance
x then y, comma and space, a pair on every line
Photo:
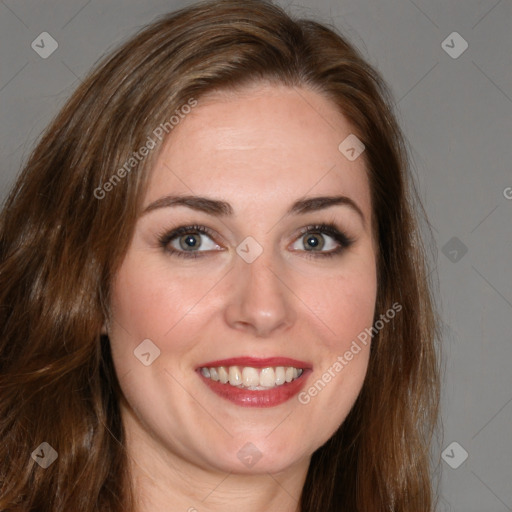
64, 231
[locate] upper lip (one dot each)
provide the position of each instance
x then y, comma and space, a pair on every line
256, 362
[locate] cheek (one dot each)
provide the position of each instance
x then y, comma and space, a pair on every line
148, 300
345, 307
350, 304
342, 303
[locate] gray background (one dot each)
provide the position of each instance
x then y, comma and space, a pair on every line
457, 116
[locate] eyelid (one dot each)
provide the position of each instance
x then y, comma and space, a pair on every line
327, 228
166, 237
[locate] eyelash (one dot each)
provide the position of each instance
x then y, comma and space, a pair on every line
329, 229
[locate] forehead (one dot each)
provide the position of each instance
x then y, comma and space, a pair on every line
261, 145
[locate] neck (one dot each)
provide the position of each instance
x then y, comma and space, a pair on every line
163, 480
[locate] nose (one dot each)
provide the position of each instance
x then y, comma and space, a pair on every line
260, 303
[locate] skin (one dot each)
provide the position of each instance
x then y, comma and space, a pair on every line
259, 149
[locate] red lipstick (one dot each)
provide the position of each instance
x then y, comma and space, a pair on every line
257, 398
257, 362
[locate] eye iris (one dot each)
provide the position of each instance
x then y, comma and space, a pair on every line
313, 241
189, 241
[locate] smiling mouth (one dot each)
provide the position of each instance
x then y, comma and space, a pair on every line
249, 381
251, 378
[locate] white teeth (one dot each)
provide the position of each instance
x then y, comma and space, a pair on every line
267, 377
252, 378
235, 376
223, 375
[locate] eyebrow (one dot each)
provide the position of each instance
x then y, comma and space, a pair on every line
222, 208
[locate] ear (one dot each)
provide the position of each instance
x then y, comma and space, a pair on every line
104, 330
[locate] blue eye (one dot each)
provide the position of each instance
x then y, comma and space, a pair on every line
319, 240
313, 239
192, 241
186, 241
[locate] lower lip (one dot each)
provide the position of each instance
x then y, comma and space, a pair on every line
255, 398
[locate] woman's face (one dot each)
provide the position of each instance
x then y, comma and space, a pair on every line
274, 307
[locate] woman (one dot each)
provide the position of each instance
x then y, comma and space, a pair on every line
213, 289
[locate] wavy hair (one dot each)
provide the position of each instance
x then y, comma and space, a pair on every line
62, 239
